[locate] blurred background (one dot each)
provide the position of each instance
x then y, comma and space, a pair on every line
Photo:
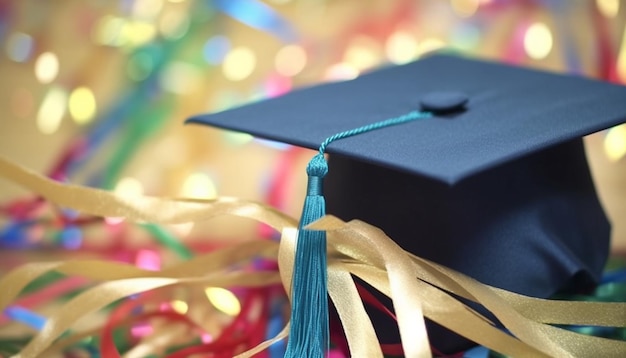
95, 92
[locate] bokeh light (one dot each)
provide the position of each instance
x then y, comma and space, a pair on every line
215, 49
608, 8
363, 53
181, 78
148, 260
276, 85
52, 110
113, 221
46, 67
199, 186
117, 31
290, 60
174, 24
430, 44
401, 47
180, 306
82, 105
137, 33
206, 338
341, 72
141, 330
239, 64
465, 8
128, 188
538, 41
147, 9
615, 143
237, 138
108, 31
71, 238
19, 46
223, 300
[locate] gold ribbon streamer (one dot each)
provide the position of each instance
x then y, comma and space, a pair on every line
103, 294
418, 288
142, 208
550, 340
342, 291
438, 305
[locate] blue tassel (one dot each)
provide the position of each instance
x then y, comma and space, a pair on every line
309, 312
308, 335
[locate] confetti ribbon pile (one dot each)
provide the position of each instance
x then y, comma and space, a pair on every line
418, 288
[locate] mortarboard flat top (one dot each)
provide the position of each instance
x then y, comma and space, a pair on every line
511, 112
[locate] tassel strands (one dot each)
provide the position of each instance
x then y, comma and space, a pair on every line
309, 312
309, 332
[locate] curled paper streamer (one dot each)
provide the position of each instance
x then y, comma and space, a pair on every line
418, 288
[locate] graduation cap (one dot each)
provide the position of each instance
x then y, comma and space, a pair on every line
489, 176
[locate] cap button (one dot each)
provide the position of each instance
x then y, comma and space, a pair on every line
444, 101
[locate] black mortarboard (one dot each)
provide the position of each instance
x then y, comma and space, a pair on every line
495, 184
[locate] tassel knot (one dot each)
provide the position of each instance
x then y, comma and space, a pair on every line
317, 167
